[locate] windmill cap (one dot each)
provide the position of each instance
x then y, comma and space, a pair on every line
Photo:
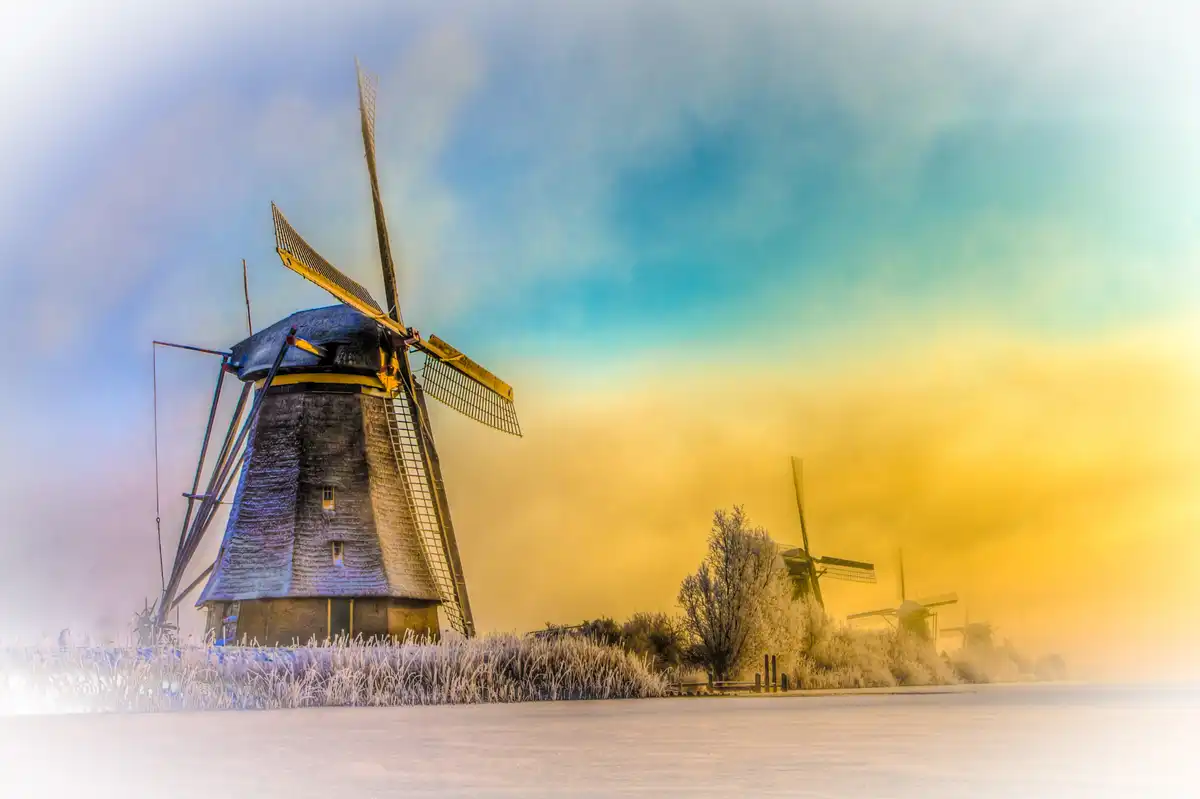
351, 339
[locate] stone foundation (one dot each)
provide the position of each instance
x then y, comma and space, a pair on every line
284, 622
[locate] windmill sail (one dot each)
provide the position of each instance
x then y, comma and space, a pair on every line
866, 613
449, 375
302, 259
938, 601
923, 605
366, 105
851, 570
454, 379
426, 502
814, 579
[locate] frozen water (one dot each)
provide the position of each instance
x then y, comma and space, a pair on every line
991, 741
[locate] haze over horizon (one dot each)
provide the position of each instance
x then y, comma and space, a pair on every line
946, 254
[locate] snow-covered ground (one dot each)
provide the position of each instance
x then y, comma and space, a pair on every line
1003, 741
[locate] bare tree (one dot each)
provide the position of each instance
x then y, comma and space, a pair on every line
723, 601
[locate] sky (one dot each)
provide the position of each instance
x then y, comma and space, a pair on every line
946, 253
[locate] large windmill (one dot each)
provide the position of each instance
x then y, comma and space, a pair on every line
805, 569
340, 523
911, 614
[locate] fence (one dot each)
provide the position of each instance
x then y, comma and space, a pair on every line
767, 681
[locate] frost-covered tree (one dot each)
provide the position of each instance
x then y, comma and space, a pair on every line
728, 601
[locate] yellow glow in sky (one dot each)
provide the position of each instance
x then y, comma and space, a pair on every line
1051, 486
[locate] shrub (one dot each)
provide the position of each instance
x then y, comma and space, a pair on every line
603, 631
832, 655
657, 638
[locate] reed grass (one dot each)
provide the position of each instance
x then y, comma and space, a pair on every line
344, 673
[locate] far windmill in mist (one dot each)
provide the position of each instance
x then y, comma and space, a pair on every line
806, 569
913, 615
973, 635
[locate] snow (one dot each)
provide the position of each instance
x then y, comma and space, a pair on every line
990, 741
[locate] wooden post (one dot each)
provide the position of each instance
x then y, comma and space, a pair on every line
774, 675
767, 669
757, 682
783, 683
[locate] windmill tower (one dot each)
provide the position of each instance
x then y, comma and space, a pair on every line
340, 523
805, 569
915, 615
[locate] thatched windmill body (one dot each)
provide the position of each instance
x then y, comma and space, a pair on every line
340, 523
806, 569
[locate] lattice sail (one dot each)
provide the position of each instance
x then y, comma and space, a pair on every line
437, 542
454, 379
866, 613
850, 570
302, 259
939, 600
368, 90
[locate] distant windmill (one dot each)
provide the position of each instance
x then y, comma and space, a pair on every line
805, 569
974, 635
912, 614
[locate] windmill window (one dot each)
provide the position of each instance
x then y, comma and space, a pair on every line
327, 498
337, 548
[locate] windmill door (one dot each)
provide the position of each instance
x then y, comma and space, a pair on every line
339, 617
229, 623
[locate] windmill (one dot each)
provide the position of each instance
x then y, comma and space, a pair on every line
806, 570
911, 614
974, 635
340, 523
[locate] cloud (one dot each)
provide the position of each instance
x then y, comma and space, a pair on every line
576, 105
506, 147
134, 225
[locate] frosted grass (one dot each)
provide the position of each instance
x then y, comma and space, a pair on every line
342, 673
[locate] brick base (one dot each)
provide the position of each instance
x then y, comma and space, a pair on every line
284, 622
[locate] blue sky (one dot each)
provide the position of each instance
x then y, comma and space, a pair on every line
692, 161
578, 186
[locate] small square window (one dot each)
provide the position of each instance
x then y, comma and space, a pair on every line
337, 548
327, 498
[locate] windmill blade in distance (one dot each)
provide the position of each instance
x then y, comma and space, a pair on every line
938, 601
302, 259
854, 571
881, 612
455, 380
